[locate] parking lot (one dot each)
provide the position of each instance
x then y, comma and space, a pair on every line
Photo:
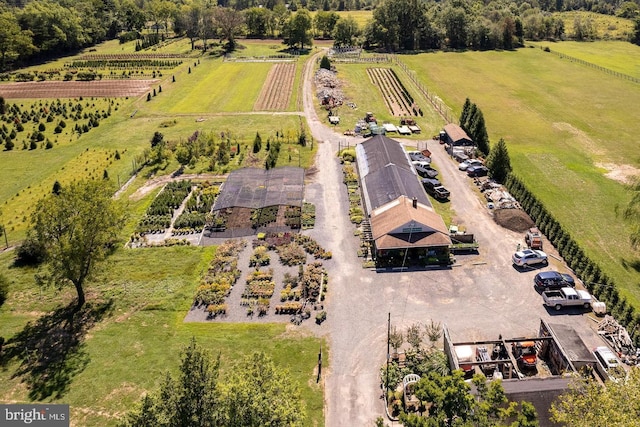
481, 296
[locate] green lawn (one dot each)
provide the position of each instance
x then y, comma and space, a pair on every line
616, 56
141, 337
563, 123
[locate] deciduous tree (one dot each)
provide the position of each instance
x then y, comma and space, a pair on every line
346, 32
77, 227
13, 40
189, 400
588, 404
259, 394
297, 29
229, 22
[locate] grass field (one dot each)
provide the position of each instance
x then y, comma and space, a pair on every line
141, 336
562, 134
616, 56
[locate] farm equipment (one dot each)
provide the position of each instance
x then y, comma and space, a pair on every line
525, 354
370, 118
461, 241
533, 238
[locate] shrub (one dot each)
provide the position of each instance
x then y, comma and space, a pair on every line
4, 289
321, 317
30, 252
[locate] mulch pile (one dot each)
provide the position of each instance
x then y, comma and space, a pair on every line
513, 219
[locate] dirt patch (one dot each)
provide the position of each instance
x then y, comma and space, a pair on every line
513, 219
276, 90
74, 89
625, 174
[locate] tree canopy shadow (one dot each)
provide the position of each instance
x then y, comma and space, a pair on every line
631, 263
51, 350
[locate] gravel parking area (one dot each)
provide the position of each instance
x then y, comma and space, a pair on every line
481, 296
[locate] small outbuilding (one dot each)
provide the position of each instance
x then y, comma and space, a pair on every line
455, 135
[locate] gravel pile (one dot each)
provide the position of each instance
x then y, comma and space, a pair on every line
327, 86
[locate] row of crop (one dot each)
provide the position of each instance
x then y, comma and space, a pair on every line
403, 90
308, 218
170, 198
198, 206
388, 94
311, 246
222, 274
394, 88
259, 288
158, 215
125, 63
350, 178
264, 216
150, 224
595, 280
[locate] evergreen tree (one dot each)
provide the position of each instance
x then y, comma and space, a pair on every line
478, 132
468, 123
257, 143
464, 115
325, 63
498, 162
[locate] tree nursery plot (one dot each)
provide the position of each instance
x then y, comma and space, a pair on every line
563, 136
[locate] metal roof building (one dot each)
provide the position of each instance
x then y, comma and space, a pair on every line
257, 188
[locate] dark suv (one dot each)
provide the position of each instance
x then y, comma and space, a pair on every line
552, 280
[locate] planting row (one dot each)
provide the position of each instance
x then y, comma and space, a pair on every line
299, 293
127, 64
158, 216
198, 206
222, 274
395, 95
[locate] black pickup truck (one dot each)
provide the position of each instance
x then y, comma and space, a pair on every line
435, 189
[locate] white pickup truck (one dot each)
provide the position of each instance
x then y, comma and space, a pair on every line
567, 297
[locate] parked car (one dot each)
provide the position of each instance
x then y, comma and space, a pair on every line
468, 163
552, 280
477, 171
422, 163
417, 156
435, 189
567, 297
426, 171
610, 367
529, 257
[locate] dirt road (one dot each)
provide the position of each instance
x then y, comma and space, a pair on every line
480, 297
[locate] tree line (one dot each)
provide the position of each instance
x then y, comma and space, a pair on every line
39, 29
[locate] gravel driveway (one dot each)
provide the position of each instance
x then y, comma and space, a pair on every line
481, 296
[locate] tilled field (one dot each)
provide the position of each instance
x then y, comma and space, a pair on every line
276, 90
74, 89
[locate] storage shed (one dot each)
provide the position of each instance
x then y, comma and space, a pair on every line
455, 135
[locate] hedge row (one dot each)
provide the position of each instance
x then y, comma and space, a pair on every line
596, 281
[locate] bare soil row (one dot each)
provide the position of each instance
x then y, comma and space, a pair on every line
276, 91
393, 92
75, 89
